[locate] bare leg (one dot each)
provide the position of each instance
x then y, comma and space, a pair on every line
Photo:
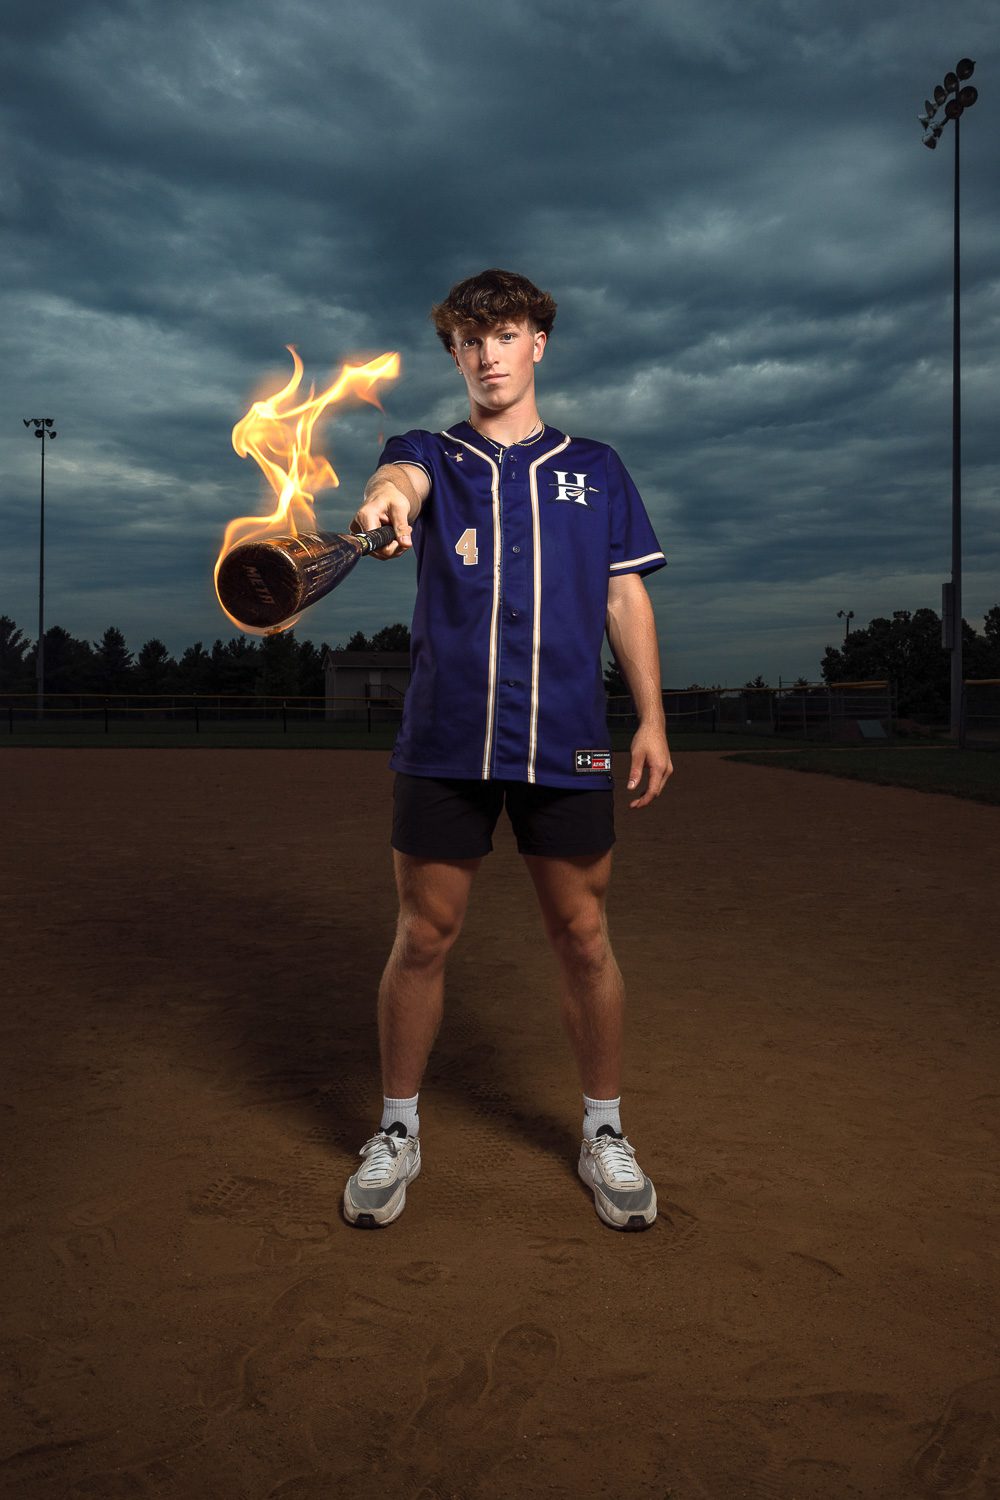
433, 896
571, 893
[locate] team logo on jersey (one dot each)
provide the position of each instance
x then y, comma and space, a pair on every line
458, 457
592, 761
573, 487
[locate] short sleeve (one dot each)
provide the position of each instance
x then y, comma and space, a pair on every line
634, 547
407, 448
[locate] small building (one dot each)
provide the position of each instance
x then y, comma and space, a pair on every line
365, 684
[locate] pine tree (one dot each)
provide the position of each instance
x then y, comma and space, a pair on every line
69, 663
113, 663
391, 638
278, 669
358, 642
13, 650
194, 671
312, 679
153, 667
234, 665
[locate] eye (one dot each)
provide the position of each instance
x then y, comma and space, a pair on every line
508, 335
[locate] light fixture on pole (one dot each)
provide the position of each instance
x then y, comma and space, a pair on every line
847, 615
43, 429
956, 100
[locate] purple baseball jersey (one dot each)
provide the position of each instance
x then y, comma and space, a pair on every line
514, 549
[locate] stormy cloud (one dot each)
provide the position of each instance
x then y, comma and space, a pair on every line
750, 249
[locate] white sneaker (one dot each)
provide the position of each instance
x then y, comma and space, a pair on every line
623, 1195
376, 1193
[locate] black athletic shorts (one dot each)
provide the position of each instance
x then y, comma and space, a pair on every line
454, 817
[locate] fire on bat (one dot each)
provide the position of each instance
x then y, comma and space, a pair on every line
270, 568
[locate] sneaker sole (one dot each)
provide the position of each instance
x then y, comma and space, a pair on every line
368, 1218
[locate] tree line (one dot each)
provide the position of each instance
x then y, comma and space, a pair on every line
905, 650
266, 666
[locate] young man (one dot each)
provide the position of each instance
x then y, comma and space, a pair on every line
529, 544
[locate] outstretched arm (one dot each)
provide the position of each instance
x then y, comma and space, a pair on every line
393, 496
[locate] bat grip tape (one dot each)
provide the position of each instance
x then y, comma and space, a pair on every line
379, 538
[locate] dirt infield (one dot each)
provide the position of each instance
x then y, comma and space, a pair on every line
192, 944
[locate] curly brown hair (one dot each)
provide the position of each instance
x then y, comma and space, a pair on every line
490, 298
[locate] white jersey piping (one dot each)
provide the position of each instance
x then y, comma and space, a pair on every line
536, 625
633, 562
491, 691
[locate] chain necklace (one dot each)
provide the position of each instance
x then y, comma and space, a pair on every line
533, 435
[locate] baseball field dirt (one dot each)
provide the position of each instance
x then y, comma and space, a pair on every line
192, 942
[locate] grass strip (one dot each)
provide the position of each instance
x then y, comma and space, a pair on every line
972, 774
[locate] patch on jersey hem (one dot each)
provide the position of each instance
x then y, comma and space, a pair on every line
592, 762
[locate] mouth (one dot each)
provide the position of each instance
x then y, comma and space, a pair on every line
491, 379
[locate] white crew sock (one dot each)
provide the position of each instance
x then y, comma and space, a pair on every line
403, 1110
598, 1112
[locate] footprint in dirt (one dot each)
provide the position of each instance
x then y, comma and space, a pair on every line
423, 1272
520, 1361
566, 1253
474, 1404
962, 1455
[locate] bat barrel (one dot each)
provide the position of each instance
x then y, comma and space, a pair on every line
263, 583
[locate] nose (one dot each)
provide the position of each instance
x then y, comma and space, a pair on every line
488, 352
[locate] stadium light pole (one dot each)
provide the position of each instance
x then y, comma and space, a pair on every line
847, 615
955, 99
43, 429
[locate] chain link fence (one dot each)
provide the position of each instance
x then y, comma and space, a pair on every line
842, 711
820, 711
981, 713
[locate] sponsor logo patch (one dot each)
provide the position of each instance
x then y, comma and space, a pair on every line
592, 761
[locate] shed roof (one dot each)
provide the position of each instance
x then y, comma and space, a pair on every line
366, 658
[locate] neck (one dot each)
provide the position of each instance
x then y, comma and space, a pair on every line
508, 426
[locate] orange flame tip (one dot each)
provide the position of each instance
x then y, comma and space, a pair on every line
278, 435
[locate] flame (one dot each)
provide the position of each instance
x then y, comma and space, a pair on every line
278, 433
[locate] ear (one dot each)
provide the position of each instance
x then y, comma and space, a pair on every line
541, 340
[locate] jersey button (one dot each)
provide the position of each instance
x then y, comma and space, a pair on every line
513, 614
515, 549
512, 682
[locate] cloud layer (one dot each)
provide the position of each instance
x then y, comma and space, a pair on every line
750, 250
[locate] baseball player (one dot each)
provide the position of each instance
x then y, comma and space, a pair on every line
529, 544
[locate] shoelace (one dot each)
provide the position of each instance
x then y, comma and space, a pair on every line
616, 1158
381, 1152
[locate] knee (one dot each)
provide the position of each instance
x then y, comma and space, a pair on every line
583, 942
423, 940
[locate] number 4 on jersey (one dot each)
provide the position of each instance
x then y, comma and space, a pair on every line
466, 547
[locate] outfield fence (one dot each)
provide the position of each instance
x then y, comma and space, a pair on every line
838, 711
981, 713
117, 713
843, 711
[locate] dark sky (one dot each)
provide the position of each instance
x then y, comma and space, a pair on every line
750, 249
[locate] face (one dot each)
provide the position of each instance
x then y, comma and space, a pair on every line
497, 364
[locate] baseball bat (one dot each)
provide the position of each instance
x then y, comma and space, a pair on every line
263, 583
